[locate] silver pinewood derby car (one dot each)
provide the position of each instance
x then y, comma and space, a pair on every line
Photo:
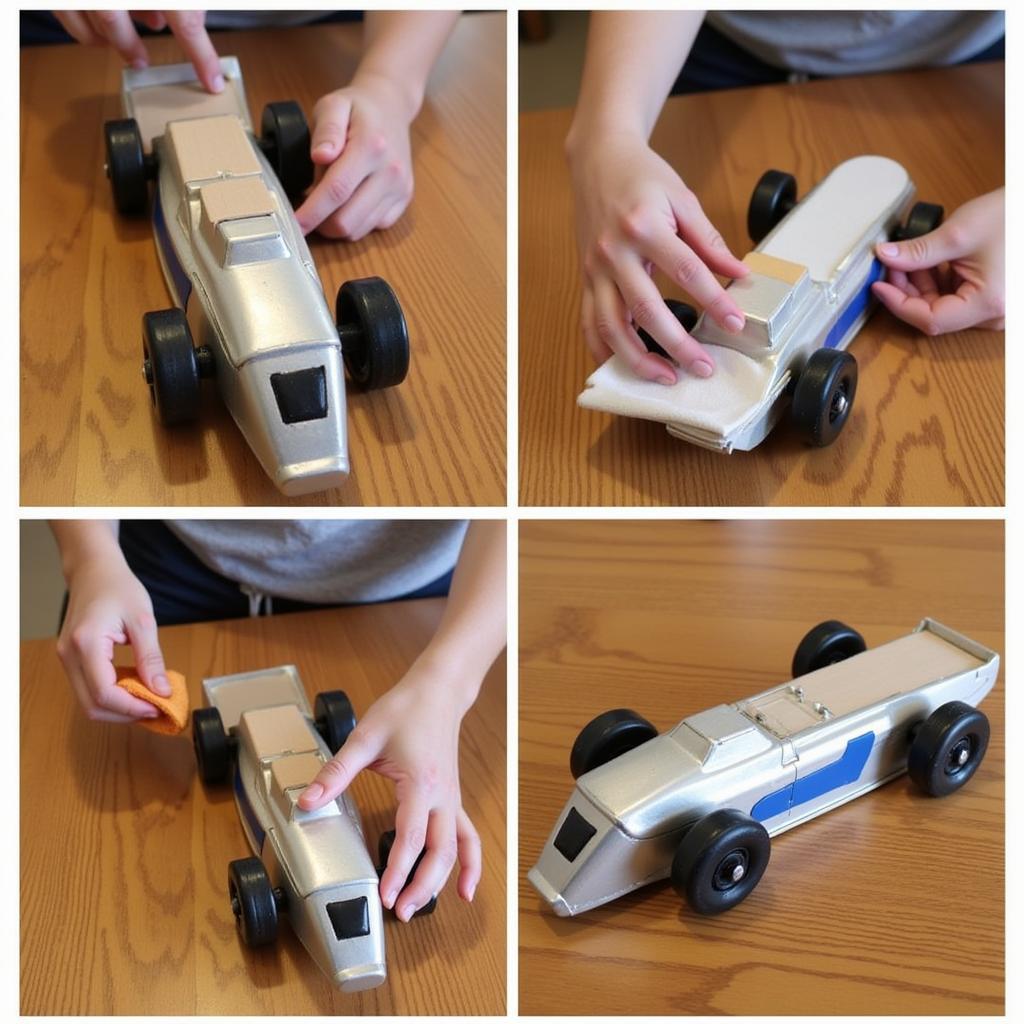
807, 295
311, 865
249, 309
700, 802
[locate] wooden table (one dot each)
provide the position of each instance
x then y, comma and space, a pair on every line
124, 854
891, 904
927, 427
88, 435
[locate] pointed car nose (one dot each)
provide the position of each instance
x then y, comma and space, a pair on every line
356, 979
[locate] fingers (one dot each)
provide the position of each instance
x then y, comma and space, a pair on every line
946, 242
149, 661
613, 330
189, 28
938, 314
87, 659
117, 29
335, 188
438, 861
153, 20
469, 856
77, 26
337, 774
330, 128
704, 237
598, 349
410, 835
360, 215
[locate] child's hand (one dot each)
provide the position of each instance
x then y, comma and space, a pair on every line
954, 277
107, 605
633, 213
115, 28
411, 736
361, 137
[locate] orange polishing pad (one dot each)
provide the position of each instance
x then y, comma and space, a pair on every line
174, 708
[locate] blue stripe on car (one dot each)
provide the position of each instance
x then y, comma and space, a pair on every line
182, 282
833, 776
248, 813
856, 306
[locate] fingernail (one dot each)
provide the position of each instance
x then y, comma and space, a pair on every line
667, 380
388, 899
162, 686
734, 323
139, 63
472, 893
888, 249
218, 83
313, 792
322, 149
152, 713
406, 912
699, 368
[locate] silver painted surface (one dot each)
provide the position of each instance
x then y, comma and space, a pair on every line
316, 857
257, 302
642, 802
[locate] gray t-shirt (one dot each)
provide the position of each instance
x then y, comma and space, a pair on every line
860, 42
325, 560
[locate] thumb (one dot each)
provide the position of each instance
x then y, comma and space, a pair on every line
148, 659
337, 774
926, 251
330, 128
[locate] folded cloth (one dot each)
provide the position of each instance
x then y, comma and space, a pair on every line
174, 708
718, 404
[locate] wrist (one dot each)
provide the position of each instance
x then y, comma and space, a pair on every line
86, 549
407, 96
453, 669
591, 136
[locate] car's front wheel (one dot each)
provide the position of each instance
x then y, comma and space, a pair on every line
607, 736
374, 336
253, 901
823, 396
171, 366
384, 845
720, 861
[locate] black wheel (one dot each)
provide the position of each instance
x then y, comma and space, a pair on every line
126, 166
948, 748
170, 366
823, 396
720, 861
252, 901
211, 744
606, 737
374, 337
922, 219
284, 138
683, 312
825, 644
334, 717
773, 197
387, 840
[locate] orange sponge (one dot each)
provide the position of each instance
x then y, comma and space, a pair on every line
174, 708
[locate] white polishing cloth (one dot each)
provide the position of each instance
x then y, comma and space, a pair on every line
719, 403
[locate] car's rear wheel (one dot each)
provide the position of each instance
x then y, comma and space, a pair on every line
212, 745
922, 219
126, 166
720, 861
373, 332
825, 644
606, 737
948, 748
253, 901
773, 197
171, 366
284, 138
683, 312
823, 396
335, 718
384, 845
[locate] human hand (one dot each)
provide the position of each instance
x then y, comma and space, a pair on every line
115, 28
411, 736
361, 138
633, 213
953, 277
107, 605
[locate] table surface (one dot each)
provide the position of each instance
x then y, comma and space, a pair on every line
124, 854
891, 904
88, 435
927, 427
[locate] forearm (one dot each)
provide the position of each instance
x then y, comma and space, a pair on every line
631, 62
472, 632
402, 47
81, 540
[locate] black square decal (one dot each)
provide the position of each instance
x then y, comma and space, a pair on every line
574, 834
350, 918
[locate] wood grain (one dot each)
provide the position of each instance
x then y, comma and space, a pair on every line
88, 435
928, 424
124, 854
892, 904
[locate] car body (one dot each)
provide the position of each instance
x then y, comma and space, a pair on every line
236, 261
318, 859
809, 288
782, 757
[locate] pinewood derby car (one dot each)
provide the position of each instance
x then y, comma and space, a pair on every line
249, 309
699, 803
807, 295
311, 865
